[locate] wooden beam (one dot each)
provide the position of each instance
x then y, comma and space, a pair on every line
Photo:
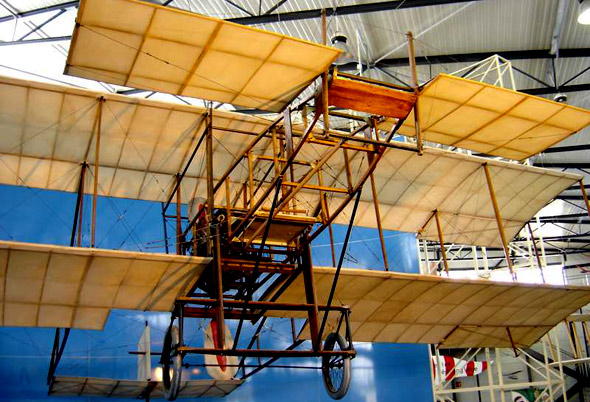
441, 239
416, 86
178, 217
325, 97
98, 126
370, 98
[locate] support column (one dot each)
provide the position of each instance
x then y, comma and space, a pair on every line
475, 262
536, 250
426, 257
500, 374
490, 376
484, 259
498, 214
98, 126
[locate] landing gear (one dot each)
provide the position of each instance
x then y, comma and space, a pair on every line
336, 369
171, 366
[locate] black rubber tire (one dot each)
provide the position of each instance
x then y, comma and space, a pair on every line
172, 384
336, 367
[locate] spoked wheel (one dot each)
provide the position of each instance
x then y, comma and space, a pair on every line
336, 369
171, 381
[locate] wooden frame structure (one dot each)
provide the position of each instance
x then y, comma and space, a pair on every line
258, 217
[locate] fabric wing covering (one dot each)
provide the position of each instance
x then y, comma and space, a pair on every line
112, 388
70, 287
147, 46
493, 120
49, 131
411, 187
409, 308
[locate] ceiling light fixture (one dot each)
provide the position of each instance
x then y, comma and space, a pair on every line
584, 12
339, 41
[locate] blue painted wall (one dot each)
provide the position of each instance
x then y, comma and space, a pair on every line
381, 372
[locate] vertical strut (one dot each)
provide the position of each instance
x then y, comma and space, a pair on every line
178, 217
441, 239
325, 105
228, 205
498, 214
416, 91
101, 100
78, 210
250, 179
165, 229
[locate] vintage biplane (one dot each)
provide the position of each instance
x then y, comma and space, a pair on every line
263, 189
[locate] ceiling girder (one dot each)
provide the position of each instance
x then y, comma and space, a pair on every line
287, 16
564, 165
474, 57
343, 10
549, 91
42, 10
569, 148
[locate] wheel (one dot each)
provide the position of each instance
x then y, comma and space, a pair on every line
171, 382
336, 369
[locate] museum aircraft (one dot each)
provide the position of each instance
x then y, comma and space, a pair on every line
262, 189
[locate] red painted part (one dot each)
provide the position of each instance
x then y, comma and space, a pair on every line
449, 367
221, 360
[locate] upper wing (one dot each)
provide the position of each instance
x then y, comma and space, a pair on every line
493, 120
144, 45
